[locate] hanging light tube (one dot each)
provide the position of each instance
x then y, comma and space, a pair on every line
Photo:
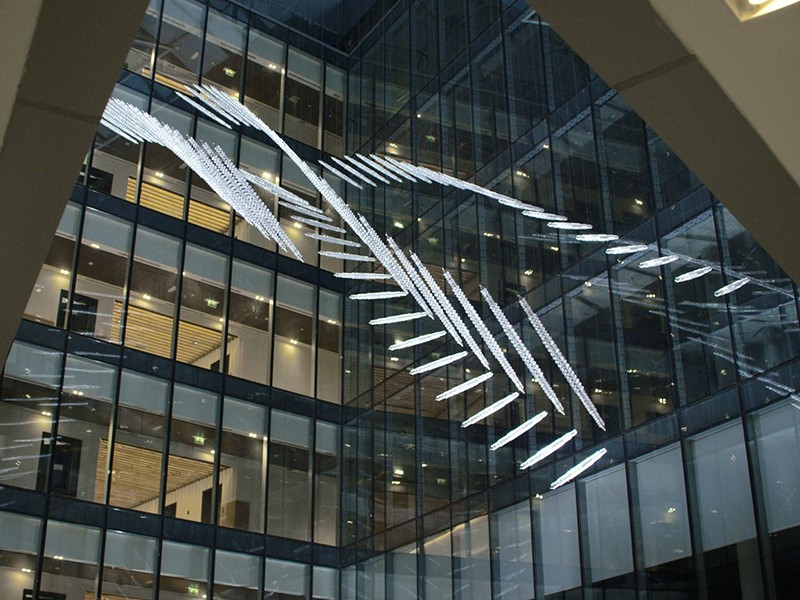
319, 224
543, 216
731, 287
527, 358
491, 409
463, 387
483, 331
562, 363
416, 341
366, 169
441, 362
332, 240
658, 262
346, 256
379, 295
632, 249
378, 167
518, 431
549, 449
582, 466
341, 175
389, 166
398, 318
305, 210
694, 274
363, 276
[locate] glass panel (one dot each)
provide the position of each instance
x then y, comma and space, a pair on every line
607, 536
326, 583
664, 520
471, 560
179, 47
19, 543
777, 442
724, 509
249, 322
243, 465
154, 282
333, 119
202, 308
513, 553
129, 566
293, 369
206, 209
138, 443
329, 349
222, 58
438, 582
80, 455
29, 395
190, 471
326, 482
71, 553
557, 535
263, 161
265, 71
98, 302
48, 300
184, 571
143, 49
290, 477
236, 576
284, 580
164, 174
303, 85
115, 160
401, 573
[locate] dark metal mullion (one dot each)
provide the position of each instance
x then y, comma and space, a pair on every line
37, 576
216, 499
695, 529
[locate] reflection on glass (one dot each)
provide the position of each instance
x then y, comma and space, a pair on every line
29, 401
99, 299
326, 484
206, 209
286, 580
236, 576
180, 44
184, 571
222, 58
293, 367
249, 322
243, 465
265, 72
154, 285
48, 300
329, 347
202, 309
19, 545
289, 492
264, 162
303, 84
438, 582
190, 492
71, 553
513, 557
138, 443
129, 565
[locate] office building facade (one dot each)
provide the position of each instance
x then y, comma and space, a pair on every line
189, 411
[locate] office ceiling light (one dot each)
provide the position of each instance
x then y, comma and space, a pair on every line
518, 431
523, 352
658, 262
632, 249
416, 341
582, 466
463, 387
378, 295
696, 273
750, 9
731, 287
549, 449
441, 362
483, 331
561, 363
491, 409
